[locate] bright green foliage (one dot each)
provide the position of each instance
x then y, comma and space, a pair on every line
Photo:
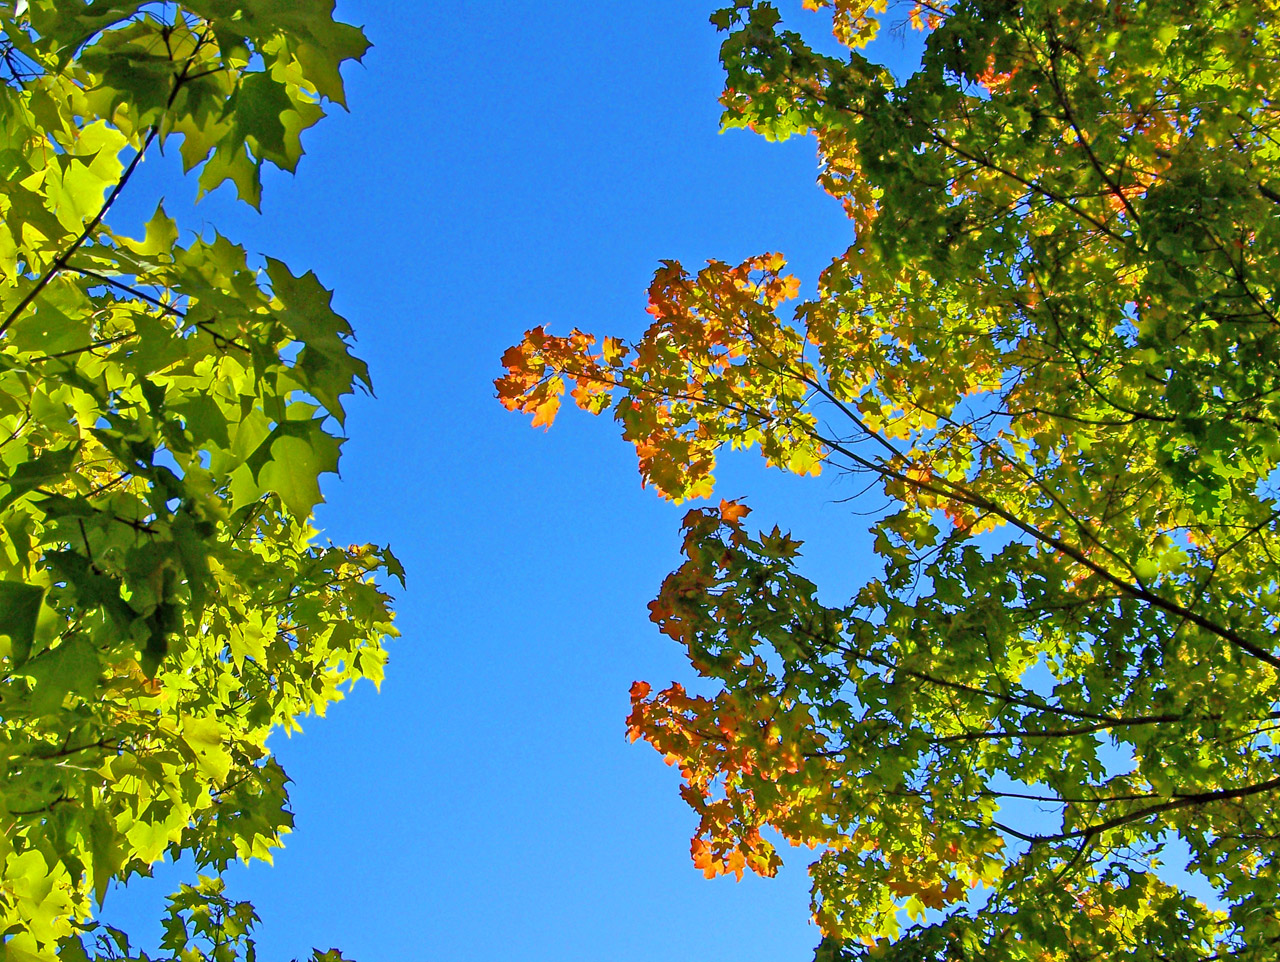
166, 409
202, 925
1056, 342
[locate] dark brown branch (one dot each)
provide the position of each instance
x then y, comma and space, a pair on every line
1178, 800
60, 262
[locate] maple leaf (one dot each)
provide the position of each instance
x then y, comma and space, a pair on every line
545, 402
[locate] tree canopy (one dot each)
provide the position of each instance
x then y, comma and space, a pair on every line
168, 404
1054, 343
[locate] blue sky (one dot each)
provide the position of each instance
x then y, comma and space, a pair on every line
505, 165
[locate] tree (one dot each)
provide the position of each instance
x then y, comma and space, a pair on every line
167, 405
1054, 342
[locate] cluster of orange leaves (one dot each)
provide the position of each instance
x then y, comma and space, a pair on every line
929, 17
996, 80
704, 331
707, 739
728, 748
537, 368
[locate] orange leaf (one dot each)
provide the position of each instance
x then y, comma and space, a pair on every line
545, 413
545, 402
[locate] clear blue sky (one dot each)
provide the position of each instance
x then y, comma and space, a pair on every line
503, 165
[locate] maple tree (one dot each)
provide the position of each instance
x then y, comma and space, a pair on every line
167, 407
1054, 341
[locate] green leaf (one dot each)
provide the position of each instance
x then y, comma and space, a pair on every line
47, 469
205, 738
72, 668
288, 463
19, 611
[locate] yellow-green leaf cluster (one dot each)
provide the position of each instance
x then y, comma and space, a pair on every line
168, 405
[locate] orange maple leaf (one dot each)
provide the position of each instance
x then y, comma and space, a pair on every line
545, 413
732, 512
